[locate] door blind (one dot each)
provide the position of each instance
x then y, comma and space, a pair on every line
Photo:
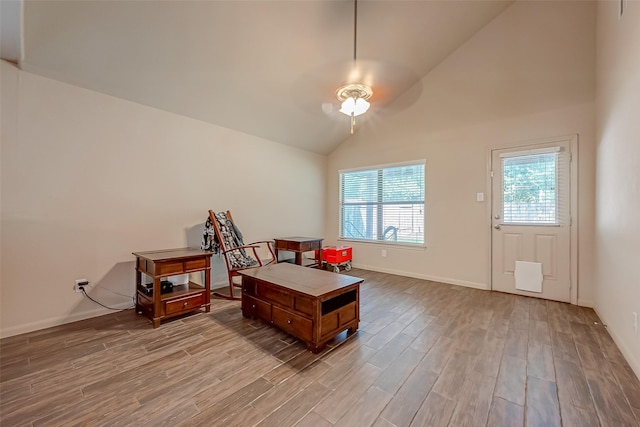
535, 187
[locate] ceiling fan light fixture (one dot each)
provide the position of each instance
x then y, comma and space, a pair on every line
354, 99
354, 106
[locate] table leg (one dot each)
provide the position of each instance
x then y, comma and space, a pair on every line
319, 257
157, 302
138, 283
314, 348
207, 288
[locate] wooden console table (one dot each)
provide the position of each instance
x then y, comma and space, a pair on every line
313, 305
182, 298
299, 245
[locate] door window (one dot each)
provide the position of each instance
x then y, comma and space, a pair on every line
530, 190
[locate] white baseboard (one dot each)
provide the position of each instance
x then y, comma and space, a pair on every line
447, 280
61, 320
220, 284
585, 303
632, 359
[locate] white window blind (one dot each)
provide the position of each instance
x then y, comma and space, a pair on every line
383, 204
535, 187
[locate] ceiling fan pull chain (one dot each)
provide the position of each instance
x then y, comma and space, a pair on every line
353, 122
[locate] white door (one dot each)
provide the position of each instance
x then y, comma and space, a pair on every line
531, 220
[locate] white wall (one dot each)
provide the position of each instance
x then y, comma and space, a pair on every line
618, 178
527, 75
88, 178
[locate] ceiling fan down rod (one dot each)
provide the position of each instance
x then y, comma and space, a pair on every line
355, 29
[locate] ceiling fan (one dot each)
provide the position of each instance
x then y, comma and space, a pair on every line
354, 96
353, 87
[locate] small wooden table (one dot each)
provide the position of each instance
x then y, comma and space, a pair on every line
299, 245
313, 305
182, 298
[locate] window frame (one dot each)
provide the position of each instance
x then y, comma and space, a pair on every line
378, 207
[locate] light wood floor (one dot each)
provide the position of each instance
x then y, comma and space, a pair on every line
426, 354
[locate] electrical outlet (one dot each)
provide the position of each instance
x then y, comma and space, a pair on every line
384, 252
80, 284
635, 322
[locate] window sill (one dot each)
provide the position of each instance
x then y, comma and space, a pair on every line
399, 245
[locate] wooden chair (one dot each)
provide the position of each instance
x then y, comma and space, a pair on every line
236, 254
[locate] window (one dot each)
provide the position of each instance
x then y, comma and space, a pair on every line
530, 187
383, 204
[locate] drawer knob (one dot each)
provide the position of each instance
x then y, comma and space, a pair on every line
289, 321
184, 304
253, 306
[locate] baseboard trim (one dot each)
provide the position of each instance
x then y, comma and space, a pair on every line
447, 280
585, 303
633, 362
61, 320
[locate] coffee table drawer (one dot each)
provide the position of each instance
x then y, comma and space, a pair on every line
248, 286
252, 307
298, 326
275, 295
303, 305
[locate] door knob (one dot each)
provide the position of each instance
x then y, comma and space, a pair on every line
497, 226
497, 216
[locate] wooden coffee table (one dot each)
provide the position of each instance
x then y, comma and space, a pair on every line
312, 305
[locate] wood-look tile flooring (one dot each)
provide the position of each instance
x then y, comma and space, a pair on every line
426, 354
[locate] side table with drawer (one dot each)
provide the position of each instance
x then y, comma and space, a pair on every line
300, 245
181, 299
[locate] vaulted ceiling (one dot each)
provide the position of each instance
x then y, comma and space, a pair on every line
266, 68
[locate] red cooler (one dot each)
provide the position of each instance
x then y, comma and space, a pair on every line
337, 256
